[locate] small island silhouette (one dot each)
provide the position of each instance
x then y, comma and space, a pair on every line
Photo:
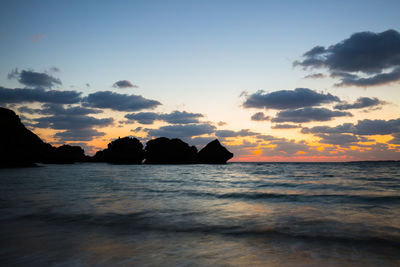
19, 147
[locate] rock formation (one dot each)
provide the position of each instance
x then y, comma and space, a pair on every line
125, 150
65, 154
214, 153
19, 147
169, 151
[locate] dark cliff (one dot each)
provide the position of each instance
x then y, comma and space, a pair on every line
19, 146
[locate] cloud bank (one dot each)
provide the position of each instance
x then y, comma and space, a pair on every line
288, 99
364, 59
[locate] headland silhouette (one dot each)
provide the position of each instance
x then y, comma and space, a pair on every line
19, 147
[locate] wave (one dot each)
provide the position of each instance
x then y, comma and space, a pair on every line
139, 222
302, 197
331, 198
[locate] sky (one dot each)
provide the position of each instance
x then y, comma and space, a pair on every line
272, 80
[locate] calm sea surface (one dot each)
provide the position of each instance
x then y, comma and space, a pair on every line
239, 214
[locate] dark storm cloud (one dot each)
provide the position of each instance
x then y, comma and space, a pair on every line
285, 126
315, 76
124, 84
21, 95
34, 79
363, 127
78, 134
230, 133
260, 116
119, 102
288, 99
308, 114
67, 122
175, 117
182, 131
362, 102
364, 59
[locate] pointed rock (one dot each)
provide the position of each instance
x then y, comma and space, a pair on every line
214, 153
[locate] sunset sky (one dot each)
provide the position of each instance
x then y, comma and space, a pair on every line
272, 80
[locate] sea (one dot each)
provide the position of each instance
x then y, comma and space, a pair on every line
238, 214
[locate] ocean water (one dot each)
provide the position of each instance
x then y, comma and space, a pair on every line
239, 214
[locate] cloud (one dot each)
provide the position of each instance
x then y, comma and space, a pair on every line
288, 99
286, 147
362, 102
379, 79
364, 59
25, 95
230, 133
182, 131
67, 122
119, 102
181, 117
268, 137
259, 116
175, 117
285, 126
78, 134
200, 141
315, 76
137, 129
308, 114
396, 139
34, 79
124, 84
343, 140
55, 69
221, 123
57, 109
363, 127
143, 117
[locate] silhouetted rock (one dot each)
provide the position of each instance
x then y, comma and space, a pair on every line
170, 151
19, 147
125, 150
65, 154
214, 153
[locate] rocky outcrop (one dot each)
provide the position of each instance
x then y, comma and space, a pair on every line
19, 147
169, 151
214, 153
125, 150
65, 154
